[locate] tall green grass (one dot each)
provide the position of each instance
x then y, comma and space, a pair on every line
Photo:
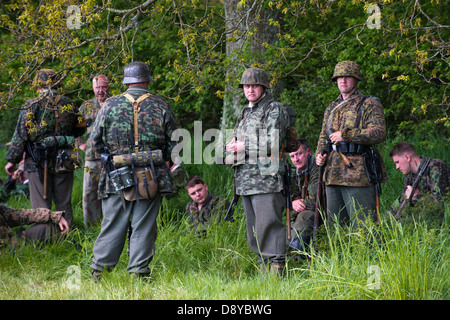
390, 261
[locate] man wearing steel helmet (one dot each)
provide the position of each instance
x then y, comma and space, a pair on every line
136, 121
351, 125
51, 114
259, 134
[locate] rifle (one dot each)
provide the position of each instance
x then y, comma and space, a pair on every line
376, 184
6, 145
304, 194
230, 211
287, 182
414, 187
321, 199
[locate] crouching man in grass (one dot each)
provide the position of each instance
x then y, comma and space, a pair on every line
427, 183
204, 208
47, 225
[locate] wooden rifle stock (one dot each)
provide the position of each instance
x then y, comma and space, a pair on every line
347, 162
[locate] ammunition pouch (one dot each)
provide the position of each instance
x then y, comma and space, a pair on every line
374, 166
348, 148
122, 178
147, 186
67, 159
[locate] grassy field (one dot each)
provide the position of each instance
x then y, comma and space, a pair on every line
390, 261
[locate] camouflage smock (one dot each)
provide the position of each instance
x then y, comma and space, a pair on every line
213, 209
342, 116
114, 129
434, 184
12, 218
259, 173
89, 110
38, 120
297, 181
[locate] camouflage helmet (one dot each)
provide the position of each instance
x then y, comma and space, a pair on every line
255, 76
136, 72
48, 77
346, 69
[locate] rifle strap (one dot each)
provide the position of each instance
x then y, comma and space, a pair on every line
136, 109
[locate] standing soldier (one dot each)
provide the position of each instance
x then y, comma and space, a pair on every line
351, 125
48, 115
304, 192
130, 125
92, 205
259, 134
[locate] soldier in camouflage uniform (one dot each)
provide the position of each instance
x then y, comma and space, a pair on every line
43, 229
92, 205
259, 134
204, 207
304, 208
434, 182
114, 133
48, 115
358, 122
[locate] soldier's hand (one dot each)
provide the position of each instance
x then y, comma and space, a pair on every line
336, 137
298, 205
63, 225
321, 159
10, 168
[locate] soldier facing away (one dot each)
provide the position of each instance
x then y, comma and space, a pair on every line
351, 124
259, 133
51, 115
130, 123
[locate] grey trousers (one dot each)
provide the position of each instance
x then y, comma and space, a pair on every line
350, 204
110, 242
59, 190
266, 233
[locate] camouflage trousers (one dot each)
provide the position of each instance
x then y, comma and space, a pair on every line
92, 206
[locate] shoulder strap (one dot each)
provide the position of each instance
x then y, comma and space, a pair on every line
135, 104
360, 110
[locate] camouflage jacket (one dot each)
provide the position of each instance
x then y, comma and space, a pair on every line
298, 180
44, 116
263, 129
12, 218
343, 116
213, 210
89, 110
434, 184
114, 129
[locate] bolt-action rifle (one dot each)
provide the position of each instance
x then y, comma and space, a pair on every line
414, 187
287, 184
321, 199
230, 211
